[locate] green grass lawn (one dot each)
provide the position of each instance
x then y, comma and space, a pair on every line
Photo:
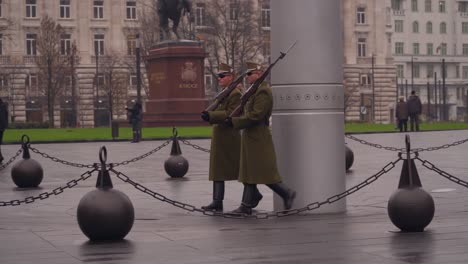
104, 133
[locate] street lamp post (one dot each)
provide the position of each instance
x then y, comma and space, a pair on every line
138, 70
444, 92
436, 105
428, 101
373, 89
96, 51
412, 74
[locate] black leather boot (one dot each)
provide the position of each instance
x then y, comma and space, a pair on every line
218, 197
284, 192
257, 197
135, 137
248, 200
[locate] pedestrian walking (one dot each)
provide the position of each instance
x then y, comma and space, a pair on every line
402, 115
135, 117
3, 124
225, 141
414, 110
258, 158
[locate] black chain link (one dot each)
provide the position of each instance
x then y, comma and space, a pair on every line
4, 165
432, 167
55, 191
55, 159
79, 165
446, 146
309, 207
186, 142
143, 156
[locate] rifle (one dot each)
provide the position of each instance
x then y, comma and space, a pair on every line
253, 87
221, 96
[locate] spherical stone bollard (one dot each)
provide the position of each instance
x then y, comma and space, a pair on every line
176, 166
27, 173
105, 213
411, 209
349, 157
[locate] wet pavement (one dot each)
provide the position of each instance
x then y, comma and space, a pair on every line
46, 231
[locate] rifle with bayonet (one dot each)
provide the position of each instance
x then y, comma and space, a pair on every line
221, 96
253, 87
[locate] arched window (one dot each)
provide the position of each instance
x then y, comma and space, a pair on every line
429, 27
443, 28
415, 27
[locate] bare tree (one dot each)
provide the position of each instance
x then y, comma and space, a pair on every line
234, 34
115, 86
53, 67
351, 96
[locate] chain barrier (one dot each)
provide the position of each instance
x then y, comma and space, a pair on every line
446, 146
4, 165
55, 191
90, 166
186, 142
141, 156
444, 174
309, 207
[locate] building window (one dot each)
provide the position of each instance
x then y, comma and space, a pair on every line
98, 9
399, 26
465, 72
99, 44
414, 5
233, 10
430, 48
31, 8
361, 15
465, 50
361, 47
462, 7
266, 15
415, 48
32, 83
1, 5
64, 8
65, 44
428, 6
415, 27
200, 14
396, 4
31, 44
365, 79
131, 45
399, 48
133, 81
443, 49
465, 27
429, 27
457, 71
131, 10
430, 71
416, 71
441, 6
400, 71
443, 28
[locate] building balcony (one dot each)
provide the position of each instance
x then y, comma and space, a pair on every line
463, 14
4, 59
29, 59
398, 12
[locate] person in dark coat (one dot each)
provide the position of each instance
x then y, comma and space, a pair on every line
135, 117
3, 123
258, 158
414, 110
225, 141
402, 115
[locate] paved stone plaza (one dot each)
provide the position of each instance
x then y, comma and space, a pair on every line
46, 232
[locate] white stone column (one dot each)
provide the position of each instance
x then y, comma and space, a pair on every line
308, 115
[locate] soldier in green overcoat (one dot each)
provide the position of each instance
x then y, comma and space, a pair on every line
258, 158
225, 142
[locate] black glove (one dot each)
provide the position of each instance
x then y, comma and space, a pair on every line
228, 122
205, 116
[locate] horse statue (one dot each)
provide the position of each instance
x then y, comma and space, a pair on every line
171, 9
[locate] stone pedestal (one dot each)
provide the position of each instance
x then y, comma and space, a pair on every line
176, 84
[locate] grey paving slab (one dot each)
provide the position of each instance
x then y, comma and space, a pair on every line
47, 231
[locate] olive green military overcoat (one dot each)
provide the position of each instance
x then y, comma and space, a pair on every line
225, 142
258, 158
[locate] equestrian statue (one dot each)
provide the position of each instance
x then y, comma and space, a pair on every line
174, 10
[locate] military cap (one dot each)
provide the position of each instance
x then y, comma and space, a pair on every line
251, 66
224, 68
